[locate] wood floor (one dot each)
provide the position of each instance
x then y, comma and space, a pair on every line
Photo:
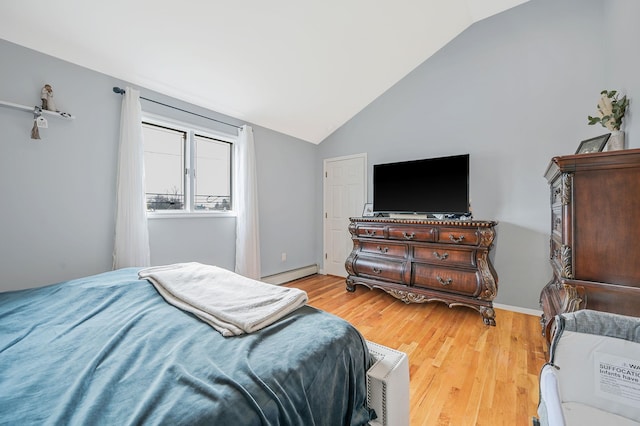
462, 372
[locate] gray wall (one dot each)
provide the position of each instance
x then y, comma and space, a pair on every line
58, 193
513, 90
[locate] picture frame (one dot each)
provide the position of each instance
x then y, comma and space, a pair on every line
593, 145
368, 210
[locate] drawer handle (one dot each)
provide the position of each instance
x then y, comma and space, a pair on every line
439, 256
456, 240
383, 249
369, 234
557, 223
409, 236
377, 270
444, 282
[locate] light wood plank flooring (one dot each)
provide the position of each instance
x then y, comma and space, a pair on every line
462, 372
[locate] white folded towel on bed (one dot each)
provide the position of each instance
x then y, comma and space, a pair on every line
230, 303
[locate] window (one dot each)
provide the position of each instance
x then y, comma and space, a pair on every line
186, 170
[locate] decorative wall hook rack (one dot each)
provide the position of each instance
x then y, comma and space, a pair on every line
60, 114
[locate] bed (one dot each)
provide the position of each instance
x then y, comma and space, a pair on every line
108, 349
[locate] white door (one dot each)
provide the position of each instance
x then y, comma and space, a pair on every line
345, 192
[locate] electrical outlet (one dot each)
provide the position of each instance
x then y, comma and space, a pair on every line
284, 256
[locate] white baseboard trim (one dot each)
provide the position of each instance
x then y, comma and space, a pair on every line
534, 312
294, 274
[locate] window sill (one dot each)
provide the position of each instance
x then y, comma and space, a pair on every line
189, 215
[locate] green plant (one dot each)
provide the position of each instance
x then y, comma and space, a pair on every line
611, 109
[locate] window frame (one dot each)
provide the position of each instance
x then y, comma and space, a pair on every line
189, 160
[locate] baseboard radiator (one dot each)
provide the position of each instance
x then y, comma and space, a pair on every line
294, 274
388, 386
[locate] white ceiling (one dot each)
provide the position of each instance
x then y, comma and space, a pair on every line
299, 67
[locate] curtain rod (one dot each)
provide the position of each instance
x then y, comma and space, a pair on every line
122, 92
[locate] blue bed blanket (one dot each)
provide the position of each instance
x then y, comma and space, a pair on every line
109, 350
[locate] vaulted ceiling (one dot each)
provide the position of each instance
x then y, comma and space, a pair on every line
299, 67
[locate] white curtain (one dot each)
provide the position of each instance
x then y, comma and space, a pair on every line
247, 232
131, 246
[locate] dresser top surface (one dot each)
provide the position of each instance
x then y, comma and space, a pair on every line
434, 222
599, 160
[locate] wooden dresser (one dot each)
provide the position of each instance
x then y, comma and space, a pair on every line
421, 261
595, 234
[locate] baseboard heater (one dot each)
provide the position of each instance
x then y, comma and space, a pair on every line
294, 274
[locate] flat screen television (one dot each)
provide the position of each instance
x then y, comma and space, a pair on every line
429, 186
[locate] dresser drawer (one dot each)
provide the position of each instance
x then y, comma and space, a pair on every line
411, 234
556, 223
443, 255
379, 268
385, 248
370, 231
458, 236
445, 279
556, 192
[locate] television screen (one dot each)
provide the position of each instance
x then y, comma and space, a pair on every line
431, 186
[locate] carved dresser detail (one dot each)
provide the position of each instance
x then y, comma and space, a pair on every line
595, 242
420, 261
